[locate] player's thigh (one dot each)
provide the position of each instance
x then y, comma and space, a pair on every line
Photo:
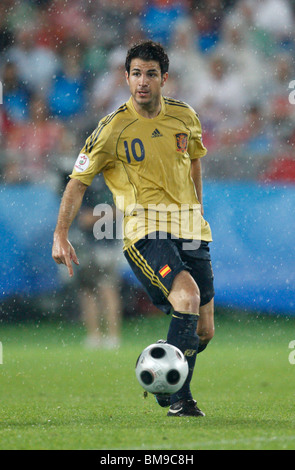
206, 328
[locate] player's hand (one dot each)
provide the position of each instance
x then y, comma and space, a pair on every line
63, 253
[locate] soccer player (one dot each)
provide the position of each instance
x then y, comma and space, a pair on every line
149, 151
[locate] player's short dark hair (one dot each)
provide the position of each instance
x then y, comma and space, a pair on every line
148, 50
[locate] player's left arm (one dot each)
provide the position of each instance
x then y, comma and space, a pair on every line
196, 150
196, 173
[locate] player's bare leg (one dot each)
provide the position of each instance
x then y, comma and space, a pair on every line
205, 327
185, 295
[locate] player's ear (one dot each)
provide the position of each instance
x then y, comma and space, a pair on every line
164, 79
127, 76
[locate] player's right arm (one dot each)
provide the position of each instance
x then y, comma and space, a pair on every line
97, 154
62, 250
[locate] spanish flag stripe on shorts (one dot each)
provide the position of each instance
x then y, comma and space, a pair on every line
165, 270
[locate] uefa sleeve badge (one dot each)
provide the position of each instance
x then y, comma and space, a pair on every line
82, 163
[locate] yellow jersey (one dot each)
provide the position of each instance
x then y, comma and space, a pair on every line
146, 164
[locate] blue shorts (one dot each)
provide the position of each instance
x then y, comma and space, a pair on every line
156, 261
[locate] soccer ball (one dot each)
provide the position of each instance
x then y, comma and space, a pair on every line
161, 369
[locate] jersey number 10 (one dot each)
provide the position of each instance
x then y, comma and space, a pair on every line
137, 150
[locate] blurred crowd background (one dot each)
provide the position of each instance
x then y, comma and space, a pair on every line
62, 70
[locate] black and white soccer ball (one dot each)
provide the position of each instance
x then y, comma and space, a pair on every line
161, 369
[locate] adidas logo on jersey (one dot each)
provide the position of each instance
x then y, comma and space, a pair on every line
157, 133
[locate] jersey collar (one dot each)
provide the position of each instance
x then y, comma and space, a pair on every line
139, 116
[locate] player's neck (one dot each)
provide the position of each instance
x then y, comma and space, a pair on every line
149, 110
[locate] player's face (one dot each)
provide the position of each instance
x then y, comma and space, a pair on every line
145, 82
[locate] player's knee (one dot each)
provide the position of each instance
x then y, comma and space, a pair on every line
193, 302
187, 300
205, 335
185, 293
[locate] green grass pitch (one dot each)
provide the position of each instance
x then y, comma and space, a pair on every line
55, 394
